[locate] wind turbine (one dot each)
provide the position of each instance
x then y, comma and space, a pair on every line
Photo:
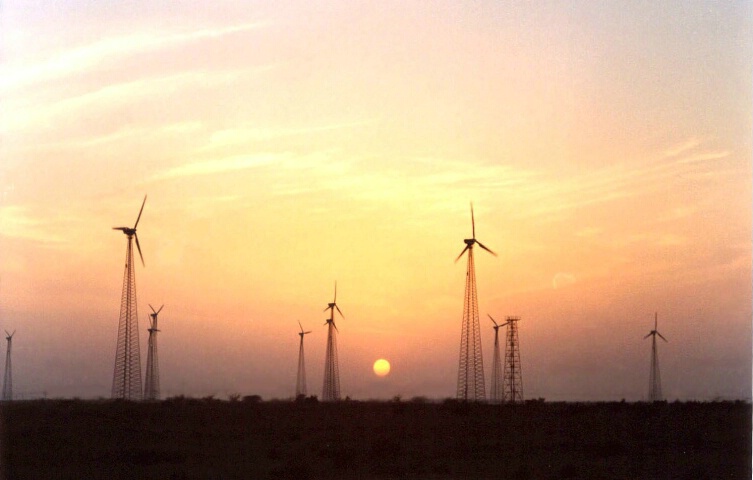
126, 379
8, 380
471, 364
300, 381
654, 382
151, 388
497, 390
331, 388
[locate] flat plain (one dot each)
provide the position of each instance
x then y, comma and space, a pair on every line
183, 438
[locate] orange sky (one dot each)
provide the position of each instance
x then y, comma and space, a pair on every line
607, 152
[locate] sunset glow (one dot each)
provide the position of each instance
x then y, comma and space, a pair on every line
286, 146
382, 367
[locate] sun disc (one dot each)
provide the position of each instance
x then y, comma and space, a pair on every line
381, 367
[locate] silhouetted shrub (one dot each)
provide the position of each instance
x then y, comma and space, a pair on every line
252, 399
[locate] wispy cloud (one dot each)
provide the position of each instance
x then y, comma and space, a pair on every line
223, 165
108, 50
20, 222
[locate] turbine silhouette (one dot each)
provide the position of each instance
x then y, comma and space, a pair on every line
331, 388
151, 387
300, 381
8, 380
471, 364
126, 379
654, 381
497, 393
513, 371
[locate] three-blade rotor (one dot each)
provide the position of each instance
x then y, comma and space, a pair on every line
469, 242
655, 331
302, 333
132, 231
9, 335
497, 326
332, 307
154, 317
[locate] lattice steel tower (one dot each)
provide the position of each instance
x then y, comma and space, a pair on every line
151, 387
654, 381
8, 380
471, 364
497, 393
300, 379
513, 371
126, 379
331, 389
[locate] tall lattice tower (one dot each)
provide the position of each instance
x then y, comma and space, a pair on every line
126, 378
300, 379
654, 380
513, 372
497, 393
8, 380
151, 387
331, 388
471, 364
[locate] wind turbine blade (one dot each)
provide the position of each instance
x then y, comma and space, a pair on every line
120, 228
473, 223
160, 308
338, 309
495, 322
150, 306
307, 332
662, 337
326, 308
461, 253
482, 246
139, 248
656, 321
299, 324
335, 325
139, 217
648, 335
335, 300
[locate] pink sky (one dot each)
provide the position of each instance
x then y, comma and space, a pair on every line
607, 151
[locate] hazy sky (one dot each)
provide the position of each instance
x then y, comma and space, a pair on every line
606, 147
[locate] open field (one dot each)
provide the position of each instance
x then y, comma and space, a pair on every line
211, 439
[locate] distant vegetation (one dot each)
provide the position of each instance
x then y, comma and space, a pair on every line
245, 437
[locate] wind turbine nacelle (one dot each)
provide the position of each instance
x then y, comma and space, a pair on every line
469, 241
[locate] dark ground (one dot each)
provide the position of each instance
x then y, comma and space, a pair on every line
211, 439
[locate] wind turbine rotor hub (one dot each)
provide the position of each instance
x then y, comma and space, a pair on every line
469, 241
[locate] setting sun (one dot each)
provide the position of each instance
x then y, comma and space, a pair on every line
382, 367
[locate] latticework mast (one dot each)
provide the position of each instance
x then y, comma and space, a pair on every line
471, 364
300, 379
497, 392
331, 389
8, 379
151, 387
654, 380
513, 372
126, 380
